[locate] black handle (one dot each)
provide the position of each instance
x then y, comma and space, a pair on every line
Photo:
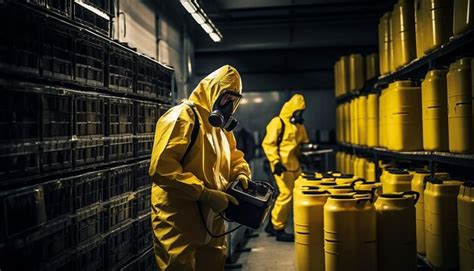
415, 194
368, 192
358, 180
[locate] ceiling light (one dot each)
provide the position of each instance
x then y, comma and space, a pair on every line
188, 5
215, 37
207, 28
198, 17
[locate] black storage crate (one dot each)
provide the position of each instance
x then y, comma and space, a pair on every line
61, 7
116, 212
146, 76
19, 160
58, 198
146, 116
120, 68
143, 145
88, 151
164, 108
88, 224
119, 181
142, 234
106, 6
19, 118
57, 115
22, 210
90, 256
119, 247
21, 39
88, 189
57, 53
30, 252
144, 262
90, 59
90, 19
119, 147
119, 116
89, 115
141, 177
56, 155
27, 208
142, 202
166, 77
65, 262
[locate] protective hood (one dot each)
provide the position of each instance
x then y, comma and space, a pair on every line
295, 103
207, 91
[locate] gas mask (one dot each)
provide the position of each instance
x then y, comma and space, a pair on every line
297, 117
222, 115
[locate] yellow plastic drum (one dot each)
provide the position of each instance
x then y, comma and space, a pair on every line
362, 120
441, 224
419, 15
349, 233
435, 112
383, 119
418, 185
404, 127
463, 16
357, 71
372, 120
309, 236
460, 107
397, 181
370, 174
396, 231
438, 24
466, 226
371, 66
404, 32
384, 43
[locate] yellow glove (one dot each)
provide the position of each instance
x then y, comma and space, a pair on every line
244, 179
218, 201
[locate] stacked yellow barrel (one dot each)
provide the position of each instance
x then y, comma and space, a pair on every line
466, 226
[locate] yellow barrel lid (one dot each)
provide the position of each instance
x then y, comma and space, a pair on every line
443, 186
402, 84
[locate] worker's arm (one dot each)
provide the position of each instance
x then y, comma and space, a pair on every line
172, 137
270, 141
238, 164
304, 135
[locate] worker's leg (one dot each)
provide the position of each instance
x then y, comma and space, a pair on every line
174, 256
210, 258
284, 201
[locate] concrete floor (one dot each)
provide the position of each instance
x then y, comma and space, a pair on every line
268, 254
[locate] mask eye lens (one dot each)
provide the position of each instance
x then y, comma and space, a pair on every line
227, 99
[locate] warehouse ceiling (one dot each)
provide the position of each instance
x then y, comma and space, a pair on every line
287, 44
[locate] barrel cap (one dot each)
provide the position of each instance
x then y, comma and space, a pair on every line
343, 196
326, 183
345, 176
398, 171
315, 192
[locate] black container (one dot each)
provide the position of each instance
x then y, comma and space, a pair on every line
254, 203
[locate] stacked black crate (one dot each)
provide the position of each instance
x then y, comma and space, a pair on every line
78, 116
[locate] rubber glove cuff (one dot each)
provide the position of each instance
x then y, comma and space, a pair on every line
217, 200
244, 180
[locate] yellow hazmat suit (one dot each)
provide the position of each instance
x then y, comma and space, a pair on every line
181, 241
286, 154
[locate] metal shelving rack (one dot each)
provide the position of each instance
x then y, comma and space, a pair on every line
456, 47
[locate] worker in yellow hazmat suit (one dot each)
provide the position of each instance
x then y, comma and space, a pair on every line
189, 177
283, 136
